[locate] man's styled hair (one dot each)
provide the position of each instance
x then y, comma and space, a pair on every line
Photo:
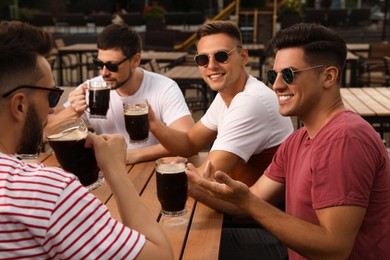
20, 44
216, 27
320, 44
120, 36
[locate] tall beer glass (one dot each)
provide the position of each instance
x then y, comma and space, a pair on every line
136, 113
172, 185
98, 98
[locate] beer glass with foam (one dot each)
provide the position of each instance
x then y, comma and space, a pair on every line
98, 98
172, 185
136, 112
67, 139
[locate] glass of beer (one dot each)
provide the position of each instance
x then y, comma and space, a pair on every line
33, 154
172, 185
136, 112
67, 139
98, 98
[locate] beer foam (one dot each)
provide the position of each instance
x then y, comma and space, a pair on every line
98, 84
98, 88
137, 112
171, 167
66, 135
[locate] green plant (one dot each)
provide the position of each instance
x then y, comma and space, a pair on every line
289, 7
154, 11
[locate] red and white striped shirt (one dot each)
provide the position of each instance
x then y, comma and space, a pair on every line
46, 213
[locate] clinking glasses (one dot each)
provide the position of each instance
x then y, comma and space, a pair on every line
220, 56
54, 94
287, 74
113, 67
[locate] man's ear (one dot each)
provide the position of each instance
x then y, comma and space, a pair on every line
17, 105
331, 75
244, 56
137, 60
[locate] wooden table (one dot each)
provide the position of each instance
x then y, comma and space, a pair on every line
184, 75
373, 104
358, 47
196, 235
80, 49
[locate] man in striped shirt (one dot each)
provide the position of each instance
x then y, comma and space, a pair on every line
44, 211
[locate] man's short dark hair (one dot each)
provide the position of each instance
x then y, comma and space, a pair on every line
20, 43
216, 27
322, 46
120, 36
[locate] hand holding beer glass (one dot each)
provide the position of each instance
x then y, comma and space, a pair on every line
172, 185
67, 139
136, 112
99, 98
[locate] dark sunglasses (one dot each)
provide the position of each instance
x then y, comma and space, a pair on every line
288, 74
220, 56
113, 67
54, 93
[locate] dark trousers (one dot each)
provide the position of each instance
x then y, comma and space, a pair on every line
250, 243
246, 239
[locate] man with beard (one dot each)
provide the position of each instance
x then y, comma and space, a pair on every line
37, 213
119, 57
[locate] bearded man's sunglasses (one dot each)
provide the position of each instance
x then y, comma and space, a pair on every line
54, 93
113, 67
288, 74
220, 56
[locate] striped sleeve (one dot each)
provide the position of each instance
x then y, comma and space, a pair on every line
82, 227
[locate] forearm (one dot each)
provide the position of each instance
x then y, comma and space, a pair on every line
148, 153
310, 240
175, 141
133, 212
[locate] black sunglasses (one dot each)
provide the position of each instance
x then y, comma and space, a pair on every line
54, 93
220, 56
287, 74
113, 67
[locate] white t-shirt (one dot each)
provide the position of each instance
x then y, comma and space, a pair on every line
162, 93
251, 124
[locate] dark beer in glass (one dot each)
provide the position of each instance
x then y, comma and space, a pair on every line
98, 99
67, 140
172, 185
136, 113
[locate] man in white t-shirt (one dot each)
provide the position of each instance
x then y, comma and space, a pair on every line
119, 57
243, 123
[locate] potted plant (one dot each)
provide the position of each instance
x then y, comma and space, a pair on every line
289, 12
154, 17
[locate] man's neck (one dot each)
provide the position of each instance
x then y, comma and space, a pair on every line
228, 94
132, 85
319, 119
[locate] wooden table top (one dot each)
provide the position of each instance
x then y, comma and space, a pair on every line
195, 235
368, 102
358, 47
162, 56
